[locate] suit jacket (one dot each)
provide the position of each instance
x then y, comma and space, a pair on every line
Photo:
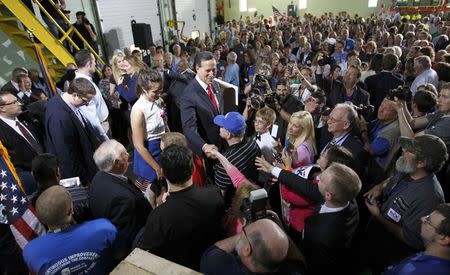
308, 59
197, 115
327, 236
337, 95
360, 155
239, 50
20, 151
379, 85
120, 201
69, 141
10, 88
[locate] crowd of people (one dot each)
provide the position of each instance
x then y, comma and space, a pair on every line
334, 160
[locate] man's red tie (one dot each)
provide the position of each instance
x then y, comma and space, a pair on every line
211, 96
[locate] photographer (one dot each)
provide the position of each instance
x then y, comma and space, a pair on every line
380, 136
87, 31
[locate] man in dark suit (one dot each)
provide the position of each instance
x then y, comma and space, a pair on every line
328, 232
380, 84
307, 55
199, 104
340, 124
21, 139
113, 196
12, 86
241, 47
348, 90
68, 132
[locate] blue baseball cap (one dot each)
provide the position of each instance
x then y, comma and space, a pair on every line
233, 122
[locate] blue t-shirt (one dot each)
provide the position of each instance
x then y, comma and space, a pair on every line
420, 264
86, 248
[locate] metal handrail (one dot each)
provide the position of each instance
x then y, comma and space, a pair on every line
67, 33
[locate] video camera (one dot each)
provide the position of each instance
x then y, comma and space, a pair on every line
255, 207
365, 111
402, 93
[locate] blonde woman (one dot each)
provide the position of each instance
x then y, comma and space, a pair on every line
127, 87
147, 126
300, 134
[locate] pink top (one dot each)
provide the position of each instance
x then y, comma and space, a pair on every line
237, 178
300, 207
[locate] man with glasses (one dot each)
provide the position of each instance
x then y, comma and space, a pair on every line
435, 234
398, 203
340, 125
69, 133
261, 247
20, 138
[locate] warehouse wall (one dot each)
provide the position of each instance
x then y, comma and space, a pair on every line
316, 7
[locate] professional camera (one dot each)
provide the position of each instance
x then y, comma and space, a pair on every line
364, 111
325, 60
255, 207
260, 81
402, 93
256, 102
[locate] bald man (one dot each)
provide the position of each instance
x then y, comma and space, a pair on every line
67, 248
261, 247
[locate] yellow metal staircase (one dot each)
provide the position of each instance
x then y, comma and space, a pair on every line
20, 24
16, 21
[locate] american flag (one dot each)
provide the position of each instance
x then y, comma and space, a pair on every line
276, 12
15, 209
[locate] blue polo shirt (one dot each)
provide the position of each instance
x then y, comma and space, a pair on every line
420, 264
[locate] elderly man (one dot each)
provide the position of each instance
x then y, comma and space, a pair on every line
435, 234
340, 124
383, 137
328, 232
261, 247
190, 220
347, 90
424, 73
398, 203
241, 153
67, 248
114, 196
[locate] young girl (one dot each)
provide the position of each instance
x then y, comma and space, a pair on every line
147, 126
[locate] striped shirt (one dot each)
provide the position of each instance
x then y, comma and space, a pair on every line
242, 155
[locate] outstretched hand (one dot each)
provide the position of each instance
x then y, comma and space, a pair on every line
263, 165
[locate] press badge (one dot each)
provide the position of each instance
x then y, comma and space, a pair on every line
394, 215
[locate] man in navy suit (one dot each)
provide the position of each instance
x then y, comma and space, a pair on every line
380, 84
199, 104
69, 133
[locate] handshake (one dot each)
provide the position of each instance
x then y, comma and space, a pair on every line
211, 151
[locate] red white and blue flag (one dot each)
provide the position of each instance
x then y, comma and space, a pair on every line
15, 209
276, 12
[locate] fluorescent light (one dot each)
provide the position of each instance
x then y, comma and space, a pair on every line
251, 9
373, 3
302, 4
242, 5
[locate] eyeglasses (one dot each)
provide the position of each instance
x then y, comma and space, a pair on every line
245, 234
427, 220
11, 103
334, 120
257, 121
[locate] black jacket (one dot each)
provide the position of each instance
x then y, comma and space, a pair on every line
120, 201
327, 236
379, 85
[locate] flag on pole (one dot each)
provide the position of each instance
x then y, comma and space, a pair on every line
15, 209
276, 12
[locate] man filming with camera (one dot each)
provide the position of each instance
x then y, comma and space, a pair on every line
87, 31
